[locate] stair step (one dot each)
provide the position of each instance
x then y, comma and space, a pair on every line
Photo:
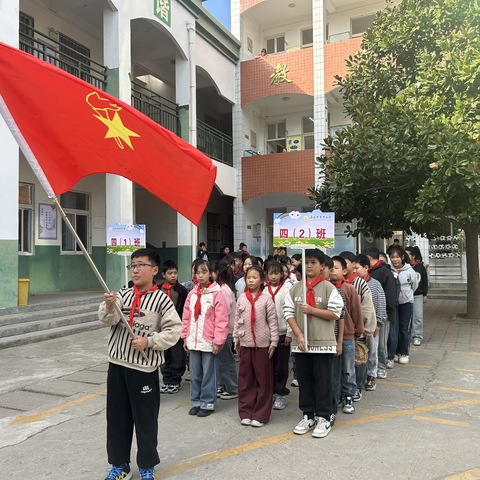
48, 312
56, 332
47, 324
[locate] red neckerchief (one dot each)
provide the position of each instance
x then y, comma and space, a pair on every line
311, 292
375, 265
252, 301
137, 301
168, 288
367, 278
198, 305
415, 264
238, 270
339, 283
273, 293
352, 278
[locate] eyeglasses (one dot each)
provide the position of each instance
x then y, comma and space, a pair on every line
140, 266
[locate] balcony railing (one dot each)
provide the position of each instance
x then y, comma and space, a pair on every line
214, 143
50, 50
159, 109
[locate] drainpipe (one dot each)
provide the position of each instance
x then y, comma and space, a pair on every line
192, 112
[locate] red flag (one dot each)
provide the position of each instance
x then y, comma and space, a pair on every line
69, 129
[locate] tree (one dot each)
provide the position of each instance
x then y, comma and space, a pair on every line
411, 156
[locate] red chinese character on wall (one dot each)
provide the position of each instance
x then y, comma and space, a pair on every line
114, 242
321, 233
284, 233
136, 242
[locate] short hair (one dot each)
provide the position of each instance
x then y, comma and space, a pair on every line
415, 251
224, 273
362, 260
372, 251
202, 263
152, 255
299, 268
274, 267
169, 265
238, 255
315, 253
196, 262
396, 240
229, 259
338, 258
283, 259
400, 252
347, 256
296, 256
253, 259
202, 244
328, 262
258, 269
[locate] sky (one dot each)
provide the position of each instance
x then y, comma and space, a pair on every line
220, 9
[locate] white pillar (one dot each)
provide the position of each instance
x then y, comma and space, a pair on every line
119, 202
320, 104
9, 163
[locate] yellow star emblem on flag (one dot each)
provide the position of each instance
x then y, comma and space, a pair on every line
108, 114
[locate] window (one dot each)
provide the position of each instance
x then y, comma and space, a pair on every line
253, 139
77, 209
276, 137
276, 45
74, 57
359, 25
307, 37
25, 218
213, 232
27, 24
307, 130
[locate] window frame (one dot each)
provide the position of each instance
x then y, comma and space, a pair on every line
24, 209
306, 45
362, 17
67, 238
275, 39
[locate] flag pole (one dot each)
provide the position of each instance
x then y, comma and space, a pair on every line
95, 270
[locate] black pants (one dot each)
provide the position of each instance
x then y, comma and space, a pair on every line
175, 364
314, 375
133, 398
281, 365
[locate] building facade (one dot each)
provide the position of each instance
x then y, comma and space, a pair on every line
169, 59
287, 103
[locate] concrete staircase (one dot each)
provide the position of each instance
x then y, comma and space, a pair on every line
448, 291
34, 323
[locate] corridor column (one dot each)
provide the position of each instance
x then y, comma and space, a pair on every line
9, 163
119, 191
186, 97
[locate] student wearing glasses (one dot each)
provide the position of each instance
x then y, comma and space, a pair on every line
133, 390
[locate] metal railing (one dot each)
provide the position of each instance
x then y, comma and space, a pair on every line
50, 50
214, 143
159, 109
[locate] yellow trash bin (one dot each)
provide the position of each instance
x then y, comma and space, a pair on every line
23, 291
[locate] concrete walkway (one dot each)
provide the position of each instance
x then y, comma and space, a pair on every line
423, 421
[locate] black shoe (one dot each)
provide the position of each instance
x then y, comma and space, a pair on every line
203, 412
194, 411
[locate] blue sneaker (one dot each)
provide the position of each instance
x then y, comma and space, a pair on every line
120, 473
147, 473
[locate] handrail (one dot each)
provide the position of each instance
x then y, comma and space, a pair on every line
42, 46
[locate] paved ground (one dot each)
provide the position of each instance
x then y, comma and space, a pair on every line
421, 422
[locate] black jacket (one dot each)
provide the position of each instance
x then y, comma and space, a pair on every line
384, 275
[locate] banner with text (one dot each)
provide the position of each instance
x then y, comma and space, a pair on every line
294, 229
125, 238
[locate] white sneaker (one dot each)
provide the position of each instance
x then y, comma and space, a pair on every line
305, 425
294, 383
396, 358
279, 403
417, 342
403, 360
390, 363
381, 373
256, 423
246, 421
322, 429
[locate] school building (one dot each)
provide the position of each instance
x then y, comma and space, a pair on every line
260, 118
